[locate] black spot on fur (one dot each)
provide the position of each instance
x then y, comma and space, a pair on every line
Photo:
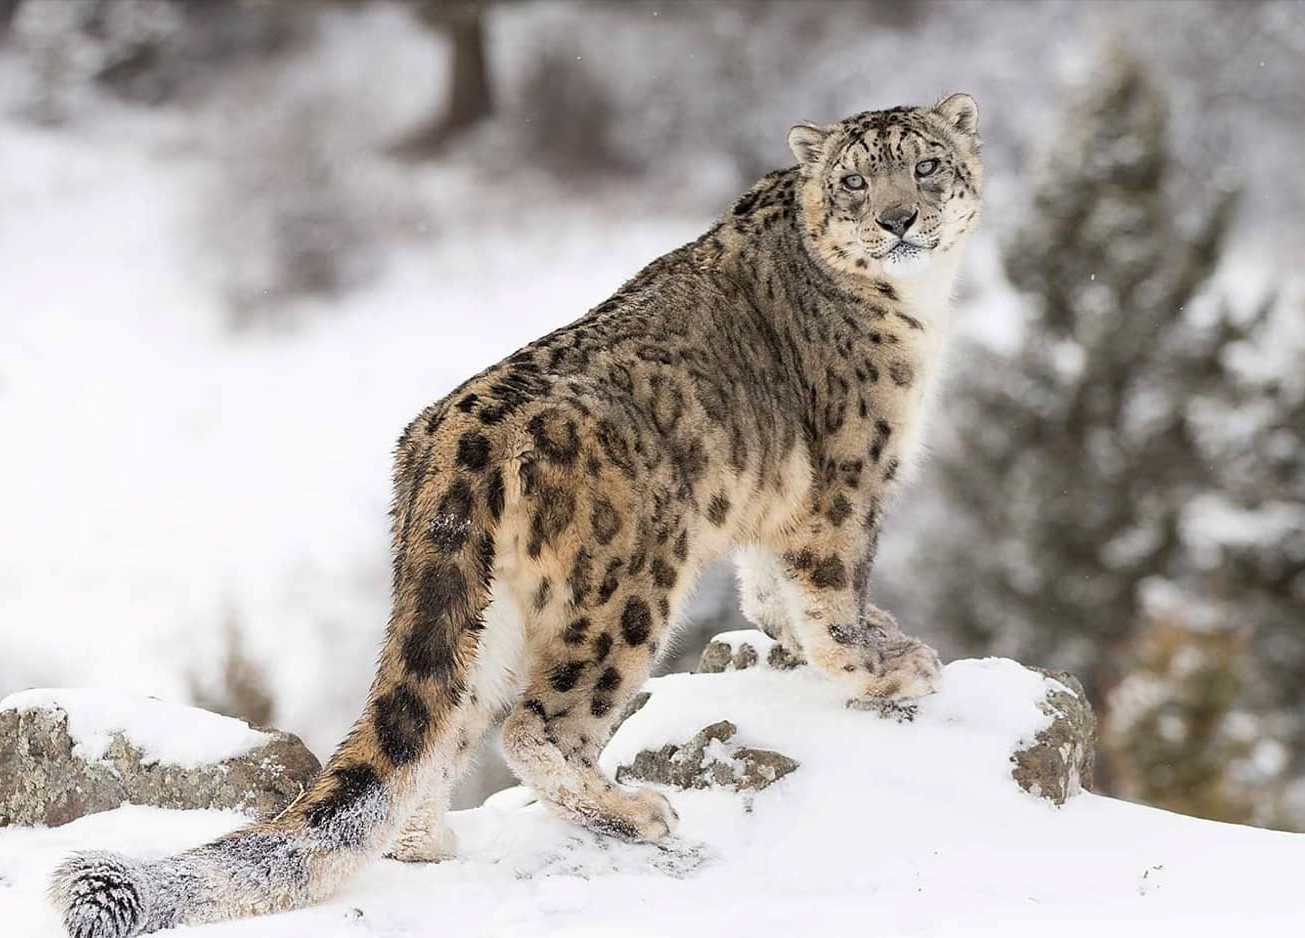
485, 568
602, 646
400, 720
576, 632
350, 785
609, 583
553, 514
555, 437
580, 579
495, 494
800, 560
451, 525
690, 462
430, 648
600, 706
718, 509
829, 573
609, 681
615, 445
681, 548
543, 593
901, 373
473, 450
606, 522
565, 676
839, 509
663, 574
636, 621
528, 473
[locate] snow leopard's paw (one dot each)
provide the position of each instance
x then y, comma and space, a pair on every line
900, 668
418, 843
636, 815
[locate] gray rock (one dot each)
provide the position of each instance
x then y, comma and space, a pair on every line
709, 761
1058, 764
43, 782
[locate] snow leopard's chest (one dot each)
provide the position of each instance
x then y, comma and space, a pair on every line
902, 399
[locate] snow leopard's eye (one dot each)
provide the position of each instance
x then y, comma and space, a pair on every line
854, 181
926, 168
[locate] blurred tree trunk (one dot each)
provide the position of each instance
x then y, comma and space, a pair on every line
471, 99
8, 10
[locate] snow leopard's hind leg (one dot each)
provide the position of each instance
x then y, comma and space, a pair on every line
425, 836
494, 685
581, 679
552, 741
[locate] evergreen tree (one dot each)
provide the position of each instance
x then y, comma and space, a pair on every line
1117, 451
1076, 455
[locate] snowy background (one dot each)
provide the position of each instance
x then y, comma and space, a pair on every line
235, 260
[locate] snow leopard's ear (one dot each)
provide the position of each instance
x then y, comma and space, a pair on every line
807, 141
960, 112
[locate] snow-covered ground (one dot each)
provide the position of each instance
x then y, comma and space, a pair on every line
886, 828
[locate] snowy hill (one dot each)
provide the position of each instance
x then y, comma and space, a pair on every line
885, 827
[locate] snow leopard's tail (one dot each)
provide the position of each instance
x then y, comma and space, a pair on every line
352, 812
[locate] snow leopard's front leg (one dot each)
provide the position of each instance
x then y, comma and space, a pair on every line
826, 564
764, 595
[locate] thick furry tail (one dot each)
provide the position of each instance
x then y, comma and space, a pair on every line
354, 809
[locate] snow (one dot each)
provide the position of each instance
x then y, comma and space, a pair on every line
166, 733
908, 829
1210, 521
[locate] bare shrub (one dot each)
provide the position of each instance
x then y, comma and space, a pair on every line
1177, 733
302, 207
241, 690
143, 51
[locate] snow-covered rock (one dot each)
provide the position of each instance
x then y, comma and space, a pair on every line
69, 752
1056, 763
709, 760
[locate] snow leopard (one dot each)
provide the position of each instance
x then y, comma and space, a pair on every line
761, 390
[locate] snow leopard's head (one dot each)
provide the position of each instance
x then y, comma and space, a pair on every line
885, 193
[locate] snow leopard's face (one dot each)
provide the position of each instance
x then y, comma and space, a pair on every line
886, 192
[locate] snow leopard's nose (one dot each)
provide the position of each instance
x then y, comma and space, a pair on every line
898, 219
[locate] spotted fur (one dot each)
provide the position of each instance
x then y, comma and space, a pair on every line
758, 389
